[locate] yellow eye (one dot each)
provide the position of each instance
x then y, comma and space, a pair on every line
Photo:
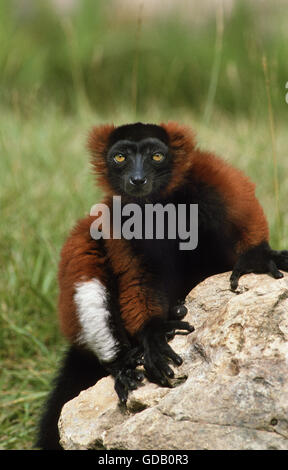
119, 158
158, 157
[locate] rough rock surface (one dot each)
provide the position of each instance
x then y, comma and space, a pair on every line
232, 388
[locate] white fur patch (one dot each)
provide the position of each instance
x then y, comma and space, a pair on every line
94, 317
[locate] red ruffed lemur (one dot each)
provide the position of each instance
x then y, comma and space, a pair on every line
120, 299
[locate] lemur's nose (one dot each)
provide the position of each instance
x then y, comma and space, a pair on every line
138, 180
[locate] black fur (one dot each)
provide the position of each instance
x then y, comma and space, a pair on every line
138, 175
176, 272
80, 370
138, 131
157, 350
259, 259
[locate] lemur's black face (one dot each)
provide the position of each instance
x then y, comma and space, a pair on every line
138, 159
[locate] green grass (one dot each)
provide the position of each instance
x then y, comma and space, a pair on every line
46, 185
61, 75
95, 52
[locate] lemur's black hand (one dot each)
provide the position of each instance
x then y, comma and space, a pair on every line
260, 259
125, 374
157, 352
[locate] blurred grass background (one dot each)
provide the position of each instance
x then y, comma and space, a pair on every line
66, 65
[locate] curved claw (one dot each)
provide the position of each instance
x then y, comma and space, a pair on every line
158, 353
281, 259
234, 279
125, 381
274, 270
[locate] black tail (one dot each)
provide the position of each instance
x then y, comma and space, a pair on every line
80, 370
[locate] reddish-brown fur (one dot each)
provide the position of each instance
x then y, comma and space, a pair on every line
77, 265
238, 192
97, 145
137, 302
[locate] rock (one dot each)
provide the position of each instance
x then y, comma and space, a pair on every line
232, 390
